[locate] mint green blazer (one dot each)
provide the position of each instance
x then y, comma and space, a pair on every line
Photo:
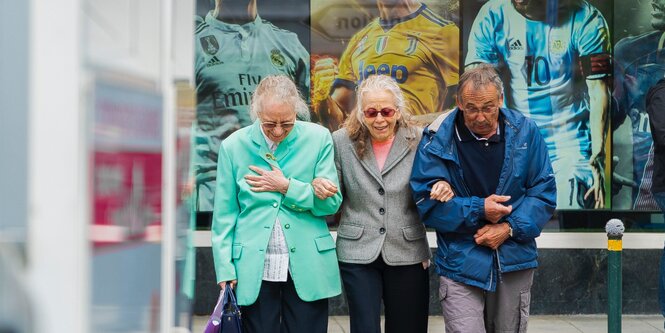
243, 220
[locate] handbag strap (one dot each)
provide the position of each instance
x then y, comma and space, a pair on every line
230, 298
225, 297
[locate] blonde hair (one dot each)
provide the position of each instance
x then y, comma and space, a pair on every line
354, 124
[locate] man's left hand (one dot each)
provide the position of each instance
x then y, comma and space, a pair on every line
492, 235
598, 188
267, 180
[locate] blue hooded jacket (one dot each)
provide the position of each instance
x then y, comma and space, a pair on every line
526, 176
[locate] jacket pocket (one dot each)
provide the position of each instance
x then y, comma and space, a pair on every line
237, 251
414, 232
324, 243
443, 289
350, 231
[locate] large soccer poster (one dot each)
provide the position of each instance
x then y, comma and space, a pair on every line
416, 43
236, 44
570, 65
555, 60
638, 65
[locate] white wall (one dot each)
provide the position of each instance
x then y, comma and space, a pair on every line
57, 239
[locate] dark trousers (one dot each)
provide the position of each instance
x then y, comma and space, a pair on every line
404, 290
279, 309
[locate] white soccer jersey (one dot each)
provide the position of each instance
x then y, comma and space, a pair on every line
230, 61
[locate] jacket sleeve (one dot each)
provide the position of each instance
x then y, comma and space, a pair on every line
225, 216
300, 195
460, 214
537, 206
338, 164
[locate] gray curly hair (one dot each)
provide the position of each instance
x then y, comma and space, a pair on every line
354, 124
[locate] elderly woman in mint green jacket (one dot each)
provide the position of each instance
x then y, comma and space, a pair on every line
268, 232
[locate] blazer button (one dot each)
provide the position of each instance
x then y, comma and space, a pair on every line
382, 191
274, 204
293, 249
382, 211
382, 230
286, 226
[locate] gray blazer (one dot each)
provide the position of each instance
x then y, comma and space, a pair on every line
378, 212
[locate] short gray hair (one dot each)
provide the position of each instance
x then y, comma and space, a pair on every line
480, 76
278, 88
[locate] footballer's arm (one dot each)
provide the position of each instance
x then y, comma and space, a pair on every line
599, 96
332, 110
330, 102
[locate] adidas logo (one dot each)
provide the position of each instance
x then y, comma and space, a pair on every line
214, 61
516, 45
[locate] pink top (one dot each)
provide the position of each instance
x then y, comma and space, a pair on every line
381, 150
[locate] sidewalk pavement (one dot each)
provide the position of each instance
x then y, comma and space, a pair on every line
537, 324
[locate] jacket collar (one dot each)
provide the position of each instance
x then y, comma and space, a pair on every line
282, 149
444, 136
398, 150
464, 134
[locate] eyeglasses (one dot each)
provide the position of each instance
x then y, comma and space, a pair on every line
269, 125
373, 113
484, 110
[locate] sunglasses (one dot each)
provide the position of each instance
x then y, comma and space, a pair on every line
373, 113
272, 126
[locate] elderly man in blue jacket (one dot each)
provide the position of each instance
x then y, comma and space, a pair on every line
497, 163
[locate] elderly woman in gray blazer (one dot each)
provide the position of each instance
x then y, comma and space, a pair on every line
381, 243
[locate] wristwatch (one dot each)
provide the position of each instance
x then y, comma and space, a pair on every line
510, 231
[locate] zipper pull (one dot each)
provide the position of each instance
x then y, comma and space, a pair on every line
498, 265
431, 137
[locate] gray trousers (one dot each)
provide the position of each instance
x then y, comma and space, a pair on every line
468, 309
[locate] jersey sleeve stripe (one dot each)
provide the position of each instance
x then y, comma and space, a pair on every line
430, 15
437, 16
200, 27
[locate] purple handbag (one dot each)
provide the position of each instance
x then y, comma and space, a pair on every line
226, 316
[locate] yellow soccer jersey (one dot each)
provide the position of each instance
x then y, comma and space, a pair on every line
420, 51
